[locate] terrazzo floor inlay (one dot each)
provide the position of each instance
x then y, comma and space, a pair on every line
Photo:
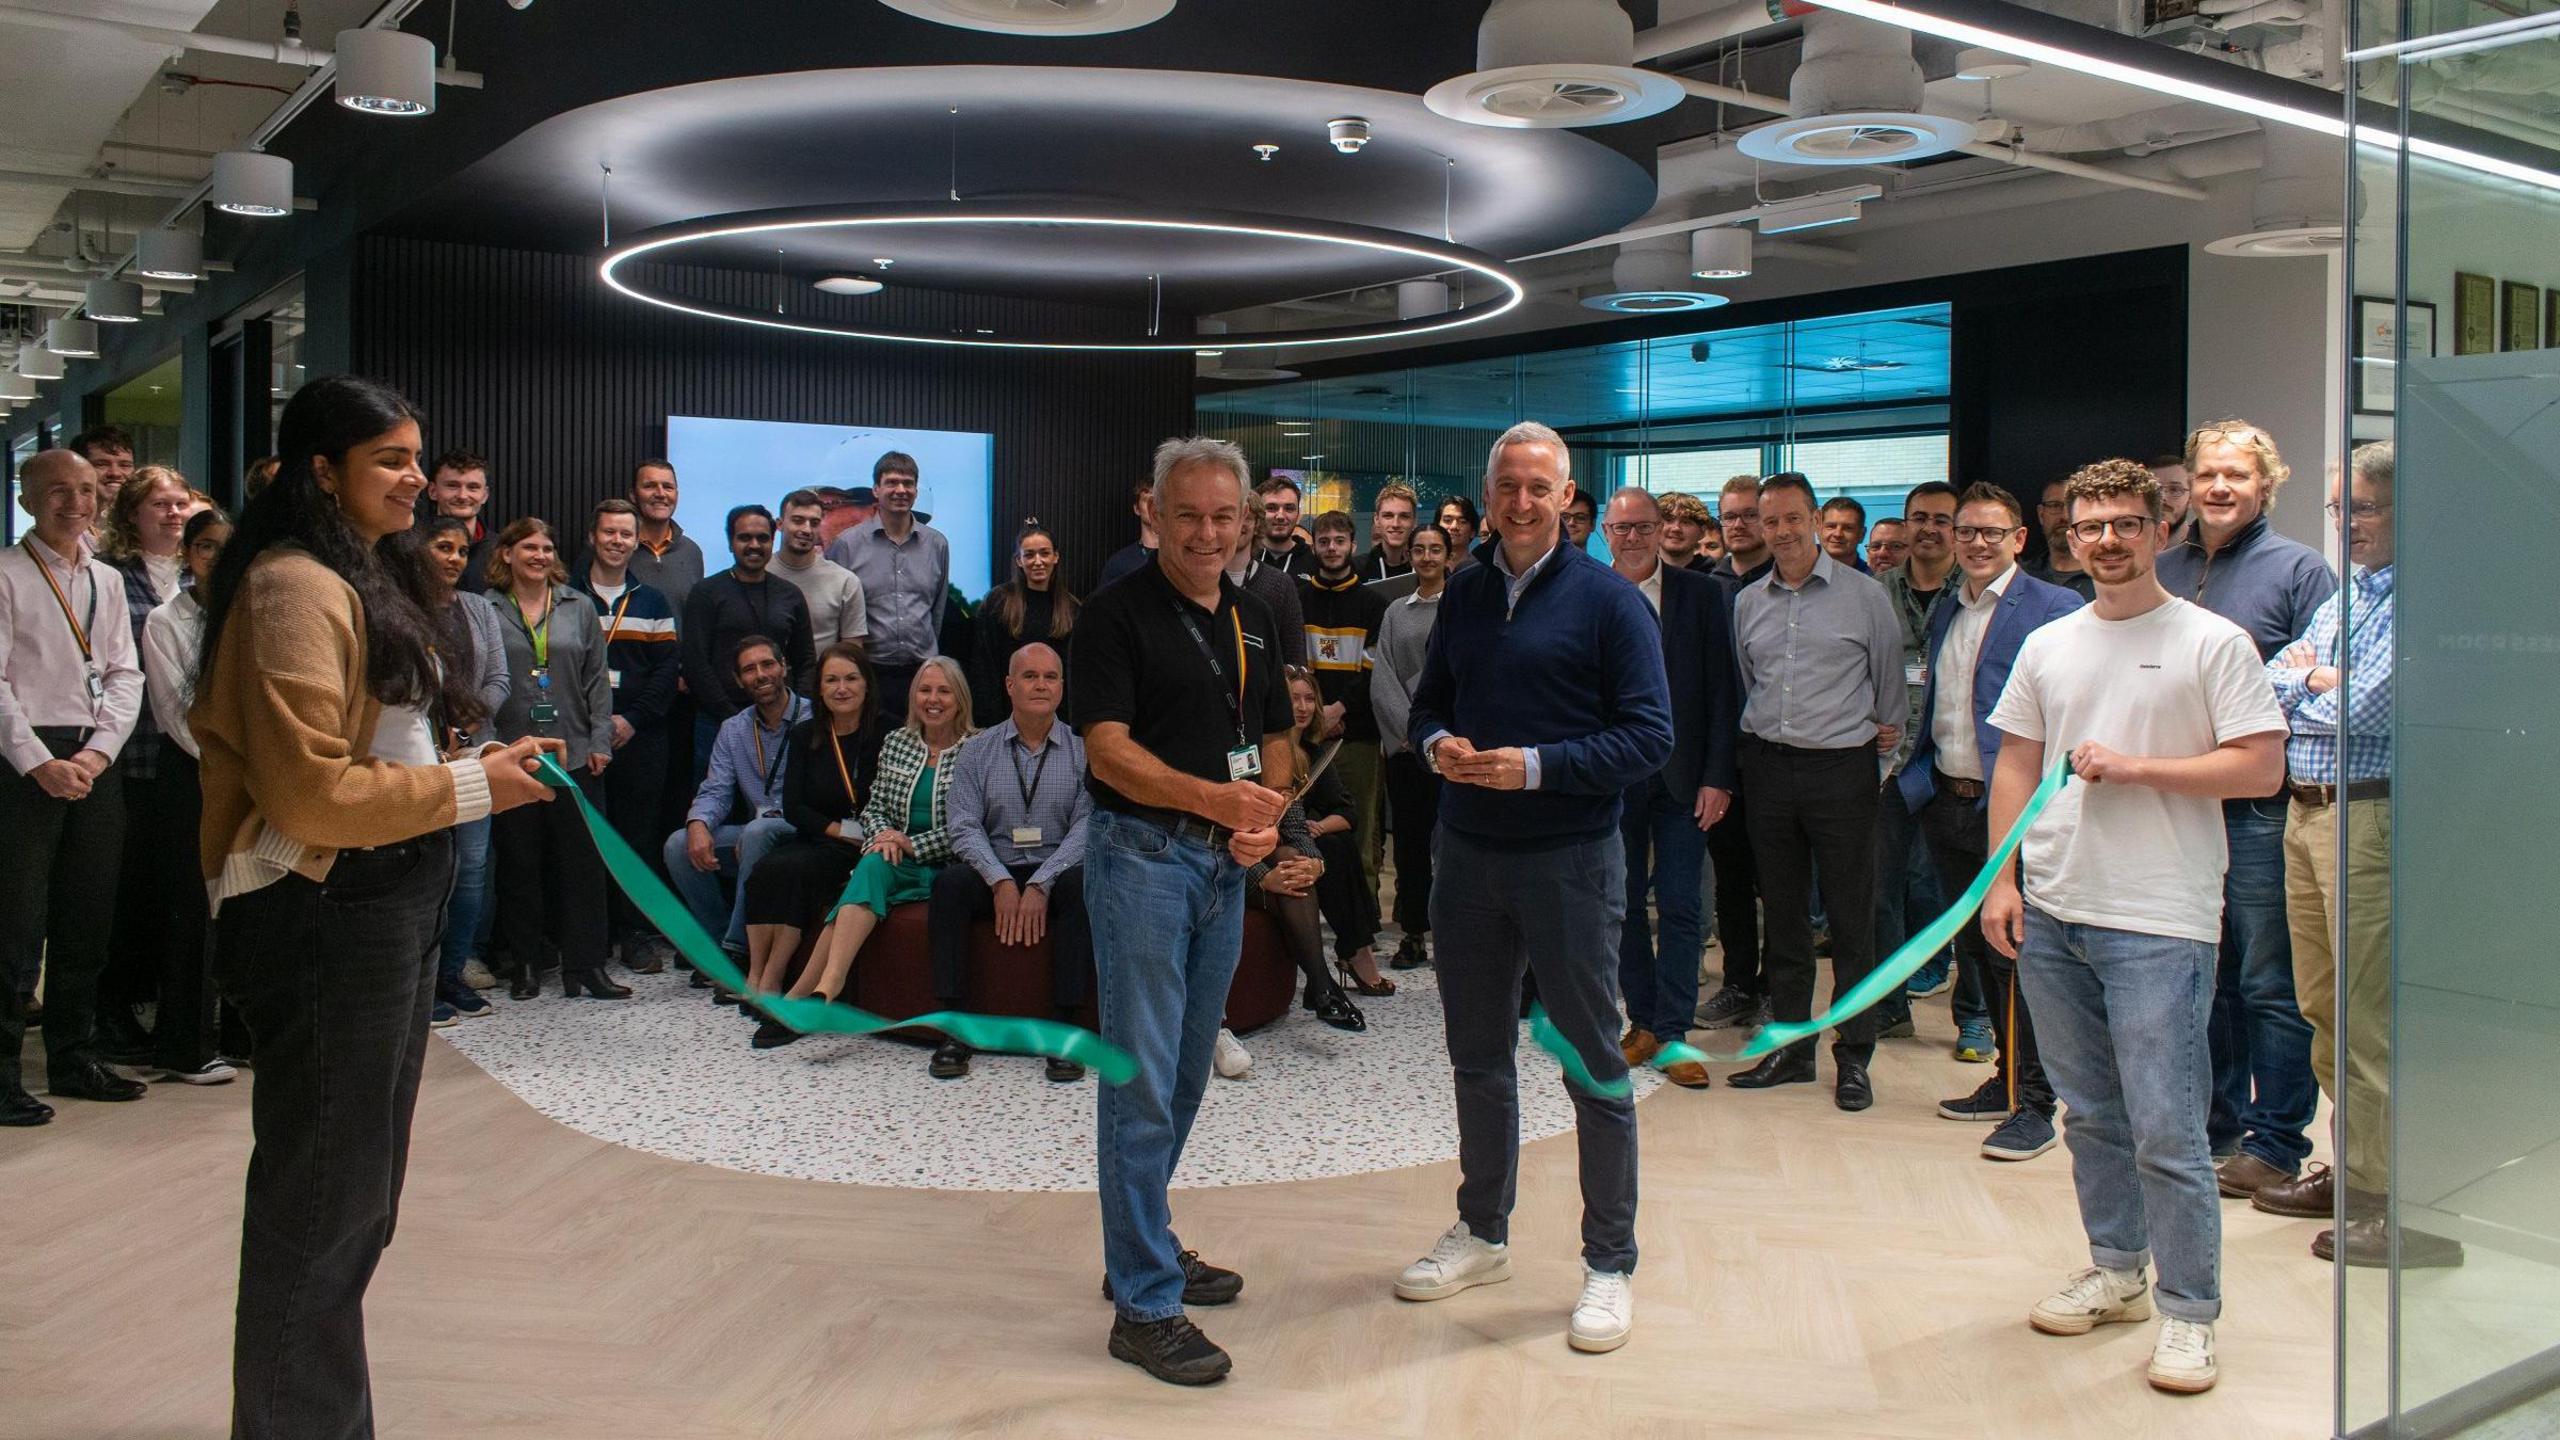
668, 1072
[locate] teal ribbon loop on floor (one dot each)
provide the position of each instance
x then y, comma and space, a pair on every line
1883, 980
810, 1015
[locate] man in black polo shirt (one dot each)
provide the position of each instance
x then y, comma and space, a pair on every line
1179, 689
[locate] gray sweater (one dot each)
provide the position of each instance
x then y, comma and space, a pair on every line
489, 658
580, 690
1404, 639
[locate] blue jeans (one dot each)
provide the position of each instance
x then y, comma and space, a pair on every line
1666, 854
470, 902
2263, 1091
738, 848
1167, 916
1496, 911
2120, 1024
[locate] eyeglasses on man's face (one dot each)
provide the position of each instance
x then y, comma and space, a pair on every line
2126, 527
1974, 534
2361, 509
1623, 529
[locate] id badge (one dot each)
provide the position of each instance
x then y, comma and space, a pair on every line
543, 712
1244, 762
1915, 673
97, 685
613, 678
1026, 834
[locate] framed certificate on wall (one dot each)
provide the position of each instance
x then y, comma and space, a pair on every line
2475, 314
2521, 309
2379, 348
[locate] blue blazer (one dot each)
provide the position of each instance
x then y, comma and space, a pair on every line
1706, 683
2027, 605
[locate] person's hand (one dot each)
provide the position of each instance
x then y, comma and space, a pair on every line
697, 848
2004, 917
598, 760
2322, 679
1246, 805
1008, 899
1503, 769
93, 762
511, 773
1712, 803
892, 844
1247, 847
1333, 717
61, 779
837, 831
1887, 736
1030, 916
622, 732
2298, 656
2094, 763
681, 687
1292, 876
1447, 750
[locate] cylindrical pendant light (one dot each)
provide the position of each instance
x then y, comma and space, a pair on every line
117, 302
167, 254
252, 182
1418, 298
1719, 254
16, 387
37, 363
77, 339
386, 72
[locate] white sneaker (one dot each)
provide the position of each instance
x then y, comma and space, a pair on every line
1232, 1058
2094, 1297
1458, 1261
477, 976
2182, 1358
1605, 1313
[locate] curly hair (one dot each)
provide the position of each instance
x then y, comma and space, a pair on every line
2257, 444
2110, 478
121, 542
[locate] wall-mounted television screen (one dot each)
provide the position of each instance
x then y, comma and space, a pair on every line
725, 463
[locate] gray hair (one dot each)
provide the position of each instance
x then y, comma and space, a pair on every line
1528, 432
2375, 464
1185, 451
1636, 492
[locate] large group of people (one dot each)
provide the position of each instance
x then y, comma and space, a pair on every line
302, 751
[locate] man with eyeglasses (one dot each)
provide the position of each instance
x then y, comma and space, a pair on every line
1742, 996
1973, 643
2177, 495
2059, 566
2237, 566
1888, 544
2113, 912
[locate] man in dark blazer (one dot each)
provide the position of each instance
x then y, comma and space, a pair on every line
1973, 641
1666, 816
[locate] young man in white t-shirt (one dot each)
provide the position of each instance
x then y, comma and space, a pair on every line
2164, 711
833, 592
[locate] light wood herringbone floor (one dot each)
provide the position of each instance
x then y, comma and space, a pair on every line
1805, 1274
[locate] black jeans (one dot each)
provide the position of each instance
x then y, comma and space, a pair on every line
1413, 800
633, 786
186, 1032
548, 881
152, 881
1343, 893
1814, 808
58, 861
335, 980
961, 899
1959, 837
1737, 898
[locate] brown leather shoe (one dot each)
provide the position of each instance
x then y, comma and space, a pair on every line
1638, 1046
2369, 1247
2244, 1175
2311, 1196
1687, 1074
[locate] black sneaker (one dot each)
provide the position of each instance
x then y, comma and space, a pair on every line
1727, 1008
1172, 1350
1064, 1072
2022, 1136
1202, 1282
1989, 1103
950, 1061
1412, 954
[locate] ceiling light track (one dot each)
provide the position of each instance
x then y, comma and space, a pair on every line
273, 52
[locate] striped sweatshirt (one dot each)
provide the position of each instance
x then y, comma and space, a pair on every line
640, 652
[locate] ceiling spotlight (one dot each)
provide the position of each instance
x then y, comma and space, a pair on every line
169, 254
1348, 134
252, 182
1417, 298
37, 363
849, 285
16, 387
386, 72
1809, 217
1722, 253
1264, 152
117, 302
77, 339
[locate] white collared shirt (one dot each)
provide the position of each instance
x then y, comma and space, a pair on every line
1951, 723
1651, 585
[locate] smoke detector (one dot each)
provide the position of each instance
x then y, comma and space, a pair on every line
1037, 17
1854, 101
2294, 211
1652, 278
1554, 64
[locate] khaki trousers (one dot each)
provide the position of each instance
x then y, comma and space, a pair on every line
2361, 988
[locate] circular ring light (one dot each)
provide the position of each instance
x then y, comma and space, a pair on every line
1037, 17
1858, 137
666, 243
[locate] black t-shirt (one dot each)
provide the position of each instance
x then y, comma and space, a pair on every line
1138, 663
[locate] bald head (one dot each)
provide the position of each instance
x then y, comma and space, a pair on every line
1034, 681
60, 489
1633, 527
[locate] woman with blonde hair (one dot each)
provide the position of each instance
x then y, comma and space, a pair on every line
907, 822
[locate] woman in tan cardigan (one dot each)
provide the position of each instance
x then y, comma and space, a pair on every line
328, 853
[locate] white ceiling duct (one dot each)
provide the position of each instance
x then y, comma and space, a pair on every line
1651, 277
1855, 100
1554, 64
2296, 208
1037, 17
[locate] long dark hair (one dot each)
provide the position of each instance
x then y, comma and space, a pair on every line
464, 709
1006, 599
328, 419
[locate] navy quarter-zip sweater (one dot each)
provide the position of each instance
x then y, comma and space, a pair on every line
1574, 670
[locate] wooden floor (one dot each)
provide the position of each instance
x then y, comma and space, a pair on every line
1805, 1273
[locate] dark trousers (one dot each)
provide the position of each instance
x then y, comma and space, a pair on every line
152, 881
335, 980
1413, 802
961, 898
1554, 914
1737, 899
686, 763
2264, 1094
1344, 894
634, 789
1907, 897
58, 861
187, 1030
1666, 852
549, 882
889, 686
1815, 808
1958, 832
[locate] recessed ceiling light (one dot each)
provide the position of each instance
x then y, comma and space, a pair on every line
849, 285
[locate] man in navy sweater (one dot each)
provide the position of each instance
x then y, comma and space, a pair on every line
1542, 699
640, 657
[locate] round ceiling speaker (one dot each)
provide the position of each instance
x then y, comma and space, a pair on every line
169, 254
1037, 17
1859, 137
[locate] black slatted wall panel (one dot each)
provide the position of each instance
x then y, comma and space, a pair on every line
529, 359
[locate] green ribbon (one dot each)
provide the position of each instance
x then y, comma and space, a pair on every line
812, 1016
1884, 980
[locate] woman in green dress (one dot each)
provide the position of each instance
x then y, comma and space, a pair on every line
907, 820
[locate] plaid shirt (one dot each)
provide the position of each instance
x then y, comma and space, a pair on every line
893, 785
2311, 751
140, 757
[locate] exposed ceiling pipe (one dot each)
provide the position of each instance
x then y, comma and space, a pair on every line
1715, 25
180, 41
96, 184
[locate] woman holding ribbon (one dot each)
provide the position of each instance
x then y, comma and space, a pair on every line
549, 879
